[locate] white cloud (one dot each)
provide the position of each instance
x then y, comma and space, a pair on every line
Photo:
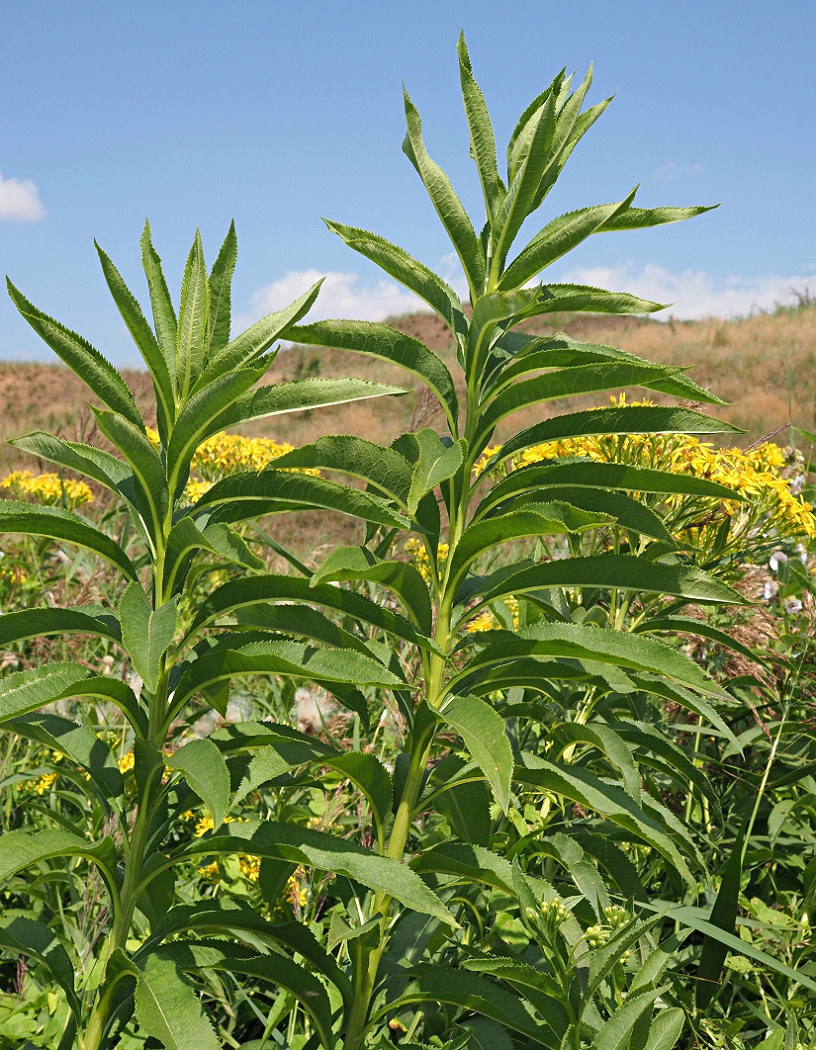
19, 201
669, 171
693, 293
340, 296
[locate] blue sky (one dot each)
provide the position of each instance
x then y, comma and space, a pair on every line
273, 113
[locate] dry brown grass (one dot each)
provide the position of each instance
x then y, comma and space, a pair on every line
765, 365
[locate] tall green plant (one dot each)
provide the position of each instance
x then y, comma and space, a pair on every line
204, 381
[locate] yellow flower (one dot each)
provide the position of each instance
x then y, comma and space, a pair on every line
44, 783
250, 867
126, 762
47, 489
419, 555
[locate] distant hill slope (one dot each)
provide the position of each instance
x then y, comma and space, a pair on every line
765, 365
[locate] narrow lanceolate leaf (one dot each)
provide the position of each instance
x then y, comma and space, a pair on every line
558, 238
436, 463
77, 743
25, 691
36, 942
206, 772
94, 369
482, 141
142, 335
641, 218
533, 519
615, 1032
111, 690
258, 338
168, 1009
482, 730
298, 396
724, 916
194, 319
58, 524
382, 467
150, 492
84, 459
327, 853
38, 623
164, 316
607, 571
628, 513
196, 420
146, 633
371, 777
566, 382
289, 658
404, 268
632, 419
446, 204
218, 330
573, 642
593, 475
579, 785
359, 563
273, 491
378, 340
561, 298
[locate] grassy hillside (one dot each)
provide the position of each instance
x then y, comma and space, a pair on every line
764, 365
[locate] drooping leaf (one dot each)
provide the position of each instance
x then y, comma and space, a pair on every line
59, 524
75, 742
382, 467
482, 730
168, 1008
146, 633
25, 691
84, 459
85, 361
38, 623
37, 943
206, 772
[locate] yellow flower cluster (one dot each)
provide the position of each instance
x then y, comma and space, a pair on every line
48, 489
44, 783
419, 554
762, 473
225, 454
14, 574
488, 621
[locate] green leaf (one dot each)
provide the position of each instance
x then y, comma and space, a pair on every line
472, 863
168, 1008
435, 463
91, 367
533, 519
34, 941
446, 204
482, 141
59, 524
463, 800
77, 743
608, 800
371, 777
474, 994
287, 658
25, 691
382, 467
591, 474
641, 218
194, 320
144, 338
112, 690
258, 338
378, 340
20, 850
37, 623
326, 853
482, 730
667, 1027
84, 459
404, 268
146, 634
632, 419
243, 496
558, 238
266, 764
606, 571
608, 742
164, 316
261, 590
206, 772
690, 625
151, 496
626, 512
614, 1033
724, 917
566, 382
218, 331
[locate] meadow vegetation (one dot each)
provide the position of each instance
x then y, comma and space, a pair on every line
521, 756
